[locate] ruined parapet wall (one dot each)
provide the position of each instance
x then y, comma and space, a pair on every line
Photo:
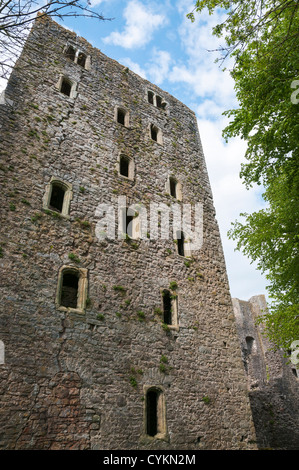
272, 380
86, 376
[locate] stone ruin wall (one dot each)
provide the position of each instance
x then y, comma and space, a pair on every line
273, 383
77, 379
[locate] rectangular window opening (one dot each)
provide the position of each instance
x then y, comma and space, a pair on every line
69, 290
150, 96
57, 198
154, 133
152, 410
167, 307
181, 241
124, 166
172, 183
121, 116
159, 101
81, 59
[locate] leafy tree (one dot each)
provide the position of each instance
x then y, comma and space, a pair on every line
262, 38
16, 17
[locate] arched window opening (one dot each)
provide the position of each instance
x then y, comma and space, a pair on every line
72, 289
181, 241
70, 53
152, 411
173, 187
66, 87
124, 166
81, 59
69, 289
57, 197
167, 307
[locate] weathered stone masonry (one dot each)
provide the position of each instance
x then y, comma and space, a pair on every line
106, 373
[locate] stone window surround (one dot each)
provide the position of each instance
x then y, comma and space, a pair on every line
187, 247
174, 307
126, 113
67, 195
159, 133
77, 53
122, 229
178, 187
131, 174
156, 98
73, 93
82, 289
161, 412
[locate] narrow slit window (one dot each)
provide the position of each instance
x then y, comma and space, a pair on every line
57, 198
150, 97
81, 59
66, 87
167, 307
69, 290
181, 241
155, 413
154, 133
152, 411
173, 187
129, 225
71, 53
124, 166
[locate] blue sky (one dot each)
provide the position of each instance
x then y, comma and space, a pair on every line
157, 41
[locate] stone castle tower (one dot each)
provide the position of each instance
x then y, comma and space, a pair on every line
108, 341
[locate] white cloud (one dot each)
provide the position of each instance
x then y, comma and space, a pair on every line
230, 199
158, 67
94, 3
141, 22
134, 67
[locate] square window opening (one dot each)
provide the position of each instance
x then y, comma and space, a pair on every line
71, 53
66, 87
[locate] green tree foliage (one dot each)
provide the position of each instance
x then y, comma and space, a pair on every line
262, 38
17, 16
